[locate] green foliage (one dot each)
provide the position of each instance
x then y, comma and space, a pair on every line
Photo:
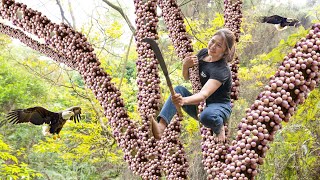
83, 152
315, 13
202, 30
115, 30
4, 155
255, 75
277, 54
9, 81
10, 168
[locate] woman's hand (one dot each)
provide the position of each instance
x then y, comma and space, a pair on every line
190, 61
177, 99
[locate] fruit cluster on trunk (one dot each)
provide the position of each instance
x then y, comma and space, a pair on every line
289, 87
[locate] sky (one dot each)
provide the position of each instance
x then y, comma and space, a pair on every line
83, 9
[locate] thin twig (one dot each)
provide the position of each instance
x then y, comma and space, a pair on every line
119, 9
72, 14
125, 62
62, 13
184, 3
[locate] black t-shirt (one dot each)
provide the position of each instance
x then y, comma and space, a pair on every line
218, 70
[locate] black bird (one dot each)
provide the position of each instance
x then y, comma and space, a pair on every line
39, 115
281, 23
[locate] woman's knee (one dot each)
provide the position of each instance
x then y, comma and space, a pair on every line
211, 120
179, 89
182, 90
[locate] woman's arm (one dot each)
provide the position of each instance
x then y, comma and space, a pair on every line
209, 88
185, 72
188, 62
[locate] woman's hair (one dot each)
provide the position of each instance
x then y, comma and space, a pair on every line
229, 39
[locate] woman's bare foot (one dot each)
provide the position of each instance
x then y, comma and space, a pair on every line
158, 128
221, 137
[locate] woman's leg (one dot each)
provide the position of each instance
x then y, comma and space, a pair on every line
158, 128
214, 116
169, 110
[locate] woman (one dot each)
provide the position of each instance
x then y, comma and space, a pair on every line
215, 78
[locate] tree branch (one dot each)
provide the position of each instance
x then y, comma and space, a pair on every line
184, 3
71, 14
125, 62
119, 9
62, 13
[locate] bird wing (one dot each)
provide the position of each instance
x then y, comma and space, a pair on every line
36, 115
77, 113
274, 19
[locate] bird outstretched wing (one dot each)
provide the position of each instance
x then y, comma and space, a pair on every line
35, 115
77, 113
274, 19
280, 22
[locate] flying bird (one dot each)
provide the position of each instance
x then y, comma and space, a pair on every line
281, 23
39, 116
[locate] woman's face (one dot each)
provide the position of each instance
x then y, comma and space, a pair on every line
217, 47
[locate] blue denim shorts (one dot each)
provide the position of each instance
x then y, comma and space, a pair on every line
213, 116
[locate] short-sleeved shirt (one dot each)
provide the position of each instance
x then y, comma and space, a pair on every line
218, 70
